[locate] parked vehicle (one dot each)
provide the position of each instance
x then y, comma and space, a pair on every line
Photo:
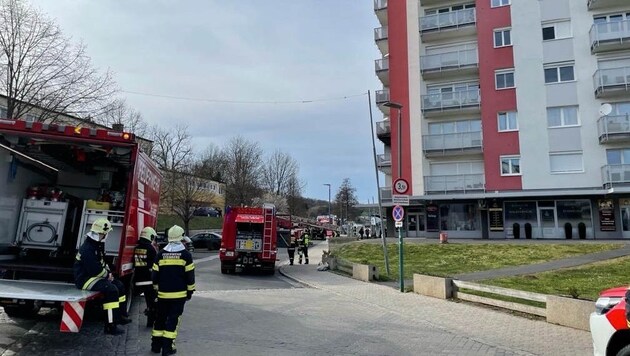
162, 241
608, 324
67, 177
249, 239
206, 211
209, 240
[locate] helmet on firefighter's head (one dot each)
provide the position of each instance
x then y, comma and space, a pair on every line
175, 233
101, 226
148, 233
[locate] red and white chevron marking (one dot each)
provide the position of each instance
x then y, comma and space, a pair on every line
72, 316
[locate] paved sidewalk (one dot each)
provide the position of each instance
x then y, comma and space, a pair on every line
488, 326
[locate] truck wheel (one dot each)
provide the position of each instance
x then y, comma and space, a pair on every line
224, 270
625, 351
28, 310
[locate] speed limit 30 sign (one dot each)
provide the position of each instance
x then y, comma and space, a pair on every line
401, 186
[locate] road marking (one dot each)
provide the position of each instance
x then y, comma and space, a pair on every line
205, 259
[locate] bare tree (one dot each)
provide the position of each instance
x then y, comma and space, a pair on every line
42, 72
278, 171
119, 113
188, 193
346, 199
294, 196
212, 164
279, 201
242, 175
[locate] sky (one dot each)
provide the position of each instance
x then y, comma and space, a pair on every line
247, 51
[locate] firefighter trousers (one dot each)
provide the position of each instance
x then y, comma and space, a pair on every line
304, 251
291, 252
114, 301
165, 327
150, 297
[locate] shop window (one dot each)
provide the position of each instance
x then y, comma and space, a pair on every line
459, 217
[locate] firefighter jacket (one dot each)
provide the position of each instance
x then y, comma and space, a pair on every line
89, 265
174, 272
144, 257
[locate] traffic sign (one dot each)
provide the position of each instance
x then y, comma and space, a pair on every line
401, 186
398, 213
400, 200
398, 224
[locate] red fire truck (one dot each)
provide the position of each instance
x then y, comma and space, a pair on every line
249, 239
57, 180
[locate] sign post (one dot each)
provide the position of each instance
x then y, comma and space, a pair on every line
398, 213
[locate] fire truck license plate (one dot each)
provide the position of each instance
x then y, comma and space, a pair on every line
249, 244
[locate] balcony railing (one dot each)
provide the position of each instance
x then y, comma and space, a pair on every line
615, 174
611, 32
613, 79
381, 96
386, 193
454, 183
454, 142
380, 33
449, 60
449, 20
380, 4
600, 4
451, 100
381, 64
383, 128
384, 160
613, 126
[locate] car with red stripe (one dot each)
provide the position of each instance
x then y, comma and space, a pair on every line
609, 323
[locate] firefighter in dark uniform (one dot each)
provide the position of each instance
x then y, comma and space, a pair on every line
144, 257
174, 280
291, 248
303, 246
92, 273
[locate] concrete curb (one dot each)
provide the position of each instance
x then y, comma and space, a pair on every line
282, 271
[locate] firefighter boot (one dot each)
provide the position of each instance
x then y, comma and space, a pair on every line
156, 344
112, 329
168, 347
306, 260
119, 318
290, 262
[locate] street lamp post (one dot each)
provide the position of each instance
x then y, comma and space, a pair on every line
399, 107
328, 184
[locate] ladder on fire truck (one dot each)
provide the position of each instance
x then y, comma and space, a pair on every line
268, 213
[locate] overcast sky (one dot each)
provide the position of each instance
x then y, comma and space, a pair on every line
246, 50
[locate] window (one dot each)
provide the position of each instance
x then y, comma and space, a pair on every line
31, 118
511, 166
442, 10
556, 30
562, 116
504, 79
507, 121
566, 162
454, 127
498, 3
559, 74
3, 113
618, 156
502, 38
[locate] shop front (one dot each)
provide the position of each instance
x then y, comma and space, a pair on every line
548, 219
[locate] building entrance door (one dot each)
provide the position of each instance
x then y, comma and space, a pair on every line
547, 218
625, 221
415, 225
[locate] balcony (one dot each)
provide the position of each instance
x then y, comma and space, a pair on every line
431, 2
380, 9
386, 193
459, 183
613, 82
613, 128
454, 24
439, 104
449, 64
384, 132
454, 144
384, 162
381, 97
381, 67
615, 174
380, 37
602, 4
610, 36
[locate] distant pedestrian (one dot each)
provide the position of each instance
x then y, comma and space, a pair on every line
361, 233
367, 233
291, 248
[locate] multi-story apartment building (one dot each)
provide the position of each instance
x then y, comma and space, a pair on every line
513, 111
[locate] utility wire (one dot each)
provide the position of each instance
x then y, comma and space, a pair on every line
243, 101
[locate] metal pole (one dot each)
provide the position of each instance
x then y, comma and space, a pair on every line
400, 261
378, 189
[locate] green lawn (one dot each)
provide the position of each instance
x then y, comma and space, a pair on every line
584, 282
450, 259
197, 223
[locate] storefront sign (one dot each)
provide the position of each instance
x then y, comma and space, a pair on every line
496, 219
606, 215
433, 218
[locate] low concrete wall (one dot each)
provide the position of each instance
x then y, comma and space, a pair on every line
436, 287
365, 273
569, 312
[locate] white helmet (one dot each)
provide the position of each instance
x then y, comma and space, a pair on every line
175, 233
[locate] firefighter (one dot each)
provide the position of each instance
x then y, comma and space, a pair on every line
174, 279
92, 273
303, 245
291, 248
144, 257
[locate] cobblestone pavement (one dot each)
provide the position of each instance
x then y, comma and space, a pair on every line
485, 326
